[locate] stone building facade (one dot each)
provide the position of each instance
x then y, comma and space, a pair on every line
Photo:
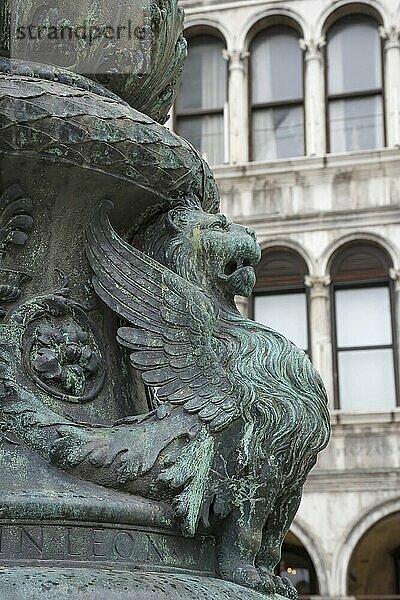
296, 103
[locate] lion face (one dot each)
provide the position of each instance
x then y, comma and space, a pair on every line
219, 254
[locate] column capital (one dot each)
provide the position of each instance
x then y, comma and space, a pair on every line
312, 48
394, 274
235, 58
318, 285
391, 36
242, 304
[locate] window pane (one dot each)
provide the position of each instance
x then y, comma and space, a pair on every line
286, 313
363, 317
356, 124
206, 134
354, 56
366, 379
276, 66
204, 76
278, 133
280, 267
362, 261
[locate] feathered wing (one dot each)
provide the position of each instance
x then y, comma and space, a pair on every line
171, 325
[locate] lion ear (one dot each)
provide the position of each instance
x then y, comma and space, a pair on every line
176, 220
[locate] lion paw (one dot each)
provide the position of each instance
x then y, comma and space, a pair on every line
285, 587
242, 574
278, 585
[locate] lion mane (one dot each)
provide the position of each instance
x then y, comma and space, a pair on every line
160, 240
285, 406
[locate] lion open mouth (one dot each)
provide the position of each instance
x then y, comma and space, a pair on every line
234, 265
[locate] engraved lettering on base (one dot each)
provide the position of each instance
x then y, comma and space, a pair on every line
129, 548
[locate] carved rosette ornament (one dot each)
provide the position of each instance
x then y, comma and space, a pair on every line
53, 348
204, 477
64, 358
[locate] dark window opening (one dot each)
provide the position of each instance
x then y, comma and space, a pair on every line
280, 299
363, 329
277, 106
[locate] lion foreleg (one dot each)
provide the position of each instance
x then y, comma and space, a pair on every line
238, 546
241, 537
276, 527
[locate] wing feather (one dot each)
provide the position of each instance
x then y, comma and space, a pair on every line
171, 322
135, 338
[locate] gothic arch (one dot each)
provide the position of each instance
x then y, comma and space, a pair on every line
326, 257
316, 554
339, 8
354, 534
273, 16
291, 245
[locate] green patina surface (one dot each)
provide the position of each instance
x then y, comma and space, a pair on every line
146, 424
103, 585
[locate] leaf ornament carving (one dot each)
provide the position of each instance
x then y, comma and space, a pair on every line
171, 323
154, 93
57, 350
144, 71
63, 354
103, 135
16, 223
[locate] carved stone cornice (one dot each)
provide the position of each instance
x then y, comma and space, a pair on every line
319, 285
312, 48
391, 36
235, 59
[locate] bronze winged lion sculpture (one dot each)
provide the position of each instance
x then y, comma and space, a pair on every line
237, 414
239, 411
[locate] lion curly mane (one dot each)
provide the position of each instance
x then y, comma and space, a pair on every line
158, 239
285, 403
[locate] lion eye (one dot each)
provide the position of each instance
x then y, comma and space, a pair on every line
217, 225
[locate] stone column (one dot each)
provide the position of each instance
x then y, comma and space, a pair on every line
320, 327
237, 105
243, 305
171, 117
395, 276
314, 96
391, 37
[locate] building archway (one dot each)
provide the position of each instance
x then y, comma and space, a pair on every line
355, 533
297, 565
374, 566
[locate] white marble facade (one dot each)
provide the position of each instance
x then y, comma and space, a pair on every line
315, 204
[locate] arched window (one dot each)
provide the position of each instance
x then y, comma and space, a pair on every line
372, 570
277, 112
396, 558
280, 296
354, 85
363, 328
297, 566
199, 108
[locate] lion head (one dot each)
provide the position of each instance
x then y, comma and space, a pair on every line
206, 249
